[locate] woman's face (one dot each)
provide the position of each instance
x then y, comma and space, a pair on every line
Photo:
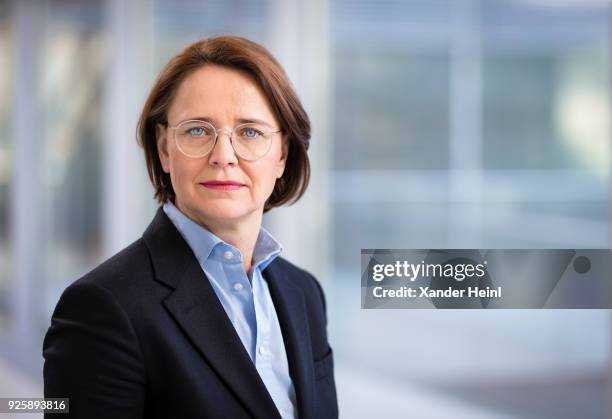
225, 97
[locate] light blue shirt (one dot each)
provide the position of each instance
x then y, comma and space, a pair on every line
246, 300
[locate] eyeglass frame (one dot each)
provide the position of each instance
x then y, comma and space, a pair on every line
229, 131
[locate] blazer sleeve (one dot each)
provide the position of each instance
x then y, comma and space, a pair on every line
92, 356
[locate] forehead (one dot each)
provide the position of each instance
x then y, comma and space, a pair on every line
220, 93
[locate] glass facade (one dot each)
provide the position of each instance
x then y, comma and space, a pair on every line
73, 62
6, 166
474, 124
436, 123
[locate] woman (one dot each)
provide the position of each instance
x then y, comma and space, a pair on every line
201, 317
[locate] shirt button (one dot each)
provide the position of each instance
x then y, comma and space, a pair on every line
228, 254
238, 286
262, 350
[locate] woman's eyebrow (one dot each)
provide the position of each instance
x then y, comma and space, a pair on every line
252, 121
239, 120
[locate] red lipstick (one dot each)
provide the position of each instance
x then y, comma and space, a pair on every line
222, 185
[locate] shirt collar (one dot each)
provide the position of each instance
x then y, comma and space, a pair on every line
205, 245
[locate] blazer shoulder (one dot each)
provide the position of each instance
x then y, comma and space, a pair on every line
301, 278
297, 274
122, 270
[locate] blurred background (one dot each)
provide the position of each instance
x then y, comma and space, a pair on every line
436, 124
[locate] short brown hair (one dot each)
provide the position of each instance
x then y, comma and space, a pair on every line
241, 54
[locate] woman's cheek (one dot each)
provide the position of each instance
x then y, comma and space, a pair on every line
267, 190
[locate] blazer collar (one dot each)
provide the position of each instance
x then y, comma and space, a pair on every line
199, 313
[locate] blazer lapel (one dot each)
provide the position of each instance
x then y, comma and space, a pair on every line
196, 308
291, 311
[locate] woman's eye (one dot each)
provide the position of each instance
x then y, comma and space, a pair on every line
197, 131
250, 133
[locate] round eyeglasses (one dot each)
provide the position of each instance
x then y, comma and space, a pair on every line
195, 138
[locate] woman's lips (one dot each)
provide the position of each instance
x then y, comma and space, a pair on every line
222, 185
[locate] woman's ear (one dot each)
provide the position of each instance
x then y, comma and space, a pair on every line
280, 168
161, 135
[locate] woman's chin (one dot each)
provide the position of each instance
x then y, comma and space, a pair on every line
226, 211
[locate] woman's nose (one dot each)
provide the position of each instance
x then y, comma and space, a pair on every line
223, 153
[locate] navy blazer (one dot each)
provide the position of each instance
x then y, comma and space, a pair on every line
144, 335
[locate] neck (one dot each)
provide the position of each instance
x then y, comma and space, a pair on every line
242, 233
